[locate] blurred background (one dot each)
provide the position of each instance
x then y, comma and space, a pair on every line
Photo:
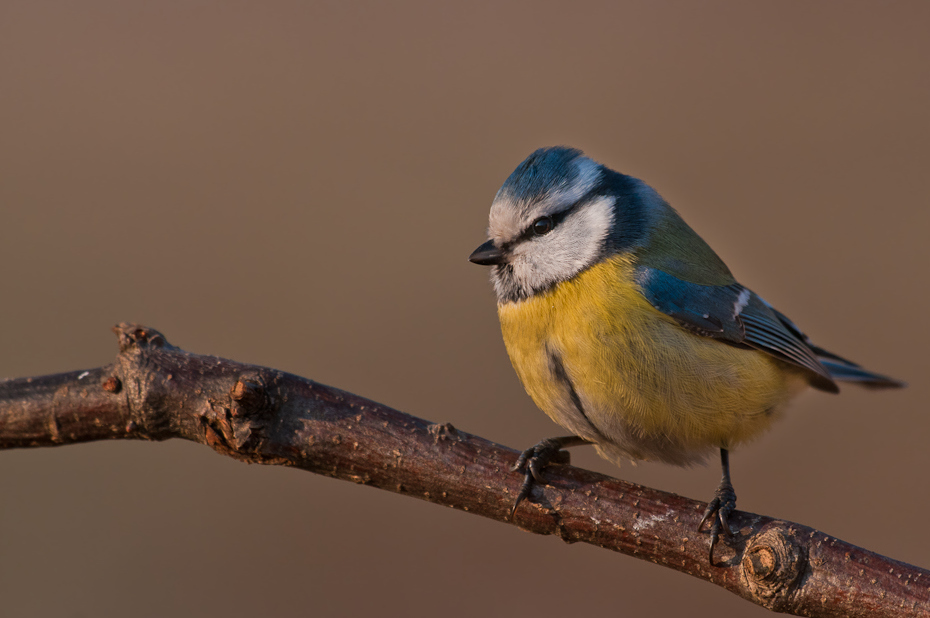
299, 184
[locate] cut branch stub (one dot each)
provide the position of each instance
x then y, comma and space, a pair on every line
772, 565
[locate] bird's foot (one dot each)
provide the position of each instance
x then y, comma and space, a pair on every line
718, 513
534, 459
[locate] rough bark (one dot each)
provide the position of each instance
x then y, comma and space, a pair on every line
155, 391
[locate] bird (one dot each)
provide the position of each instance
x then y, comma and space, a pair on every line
628, 330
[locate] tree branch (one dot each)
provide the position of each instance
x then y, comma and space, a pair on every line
155, 391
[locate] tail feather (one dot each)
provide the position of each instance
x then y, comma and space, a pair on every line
840, 369
844, 371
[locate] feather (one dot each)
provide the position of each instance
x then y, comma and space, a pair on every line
743, 317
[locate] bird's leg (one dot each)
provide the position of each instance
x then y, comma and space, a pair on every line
719, 509
534, 459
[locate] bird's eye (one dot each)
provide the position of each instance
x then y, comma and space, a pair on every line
542, 225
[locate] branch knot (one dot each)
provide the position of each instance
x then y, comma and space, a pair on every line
238, 425
134, 336
772, 565
250, 396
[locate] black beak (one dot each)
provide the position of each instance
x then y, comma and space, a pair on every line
486, 255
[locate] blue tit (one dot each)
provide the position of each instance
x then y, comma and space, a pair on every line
626, 328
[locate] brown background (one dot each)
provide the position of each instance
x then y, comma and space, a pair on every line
298, 185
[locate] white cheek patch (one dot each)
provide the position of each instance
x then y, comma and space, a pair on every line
572, 246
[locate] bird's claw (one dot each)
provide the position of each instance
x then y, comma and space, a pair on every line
718, 514
532, 461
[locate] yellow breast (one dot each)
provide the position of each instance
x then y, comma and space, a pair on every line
604, 363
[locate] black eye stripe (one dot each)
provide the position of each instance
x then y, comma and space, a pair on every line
528, 233
555, 219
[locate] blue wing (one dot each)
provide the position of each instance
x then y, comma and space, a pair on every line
735, 315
